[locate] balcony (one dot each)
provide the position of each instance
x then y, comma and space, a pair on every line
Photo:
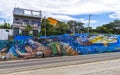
27, 13
18, 25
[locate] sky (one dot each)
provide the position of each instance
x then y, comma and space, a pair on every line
101, 11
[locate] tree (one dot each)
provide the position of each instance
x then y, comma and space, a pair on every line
75, 26
5, 25
58, 29
47, 29
62, 28
110, 28
28, 28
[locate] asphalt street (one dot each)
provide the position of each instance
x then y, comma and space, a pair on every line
32, 64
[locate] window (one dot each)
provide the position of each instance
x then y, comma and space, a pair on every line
26, 21
16, 19
34, 22
38, 23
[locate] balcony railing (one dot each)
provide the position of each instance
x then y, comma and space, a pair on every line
24, 25
27, 12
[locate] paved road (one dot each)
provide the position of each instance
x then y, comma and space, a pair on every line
7, 67
110, 67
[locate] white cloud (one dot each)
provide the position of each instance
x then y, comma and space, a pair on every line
86, 21
62, 8
115, 15
62, 17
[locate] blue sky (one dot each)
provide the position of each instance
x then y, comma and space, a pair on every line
98, 19
102, 11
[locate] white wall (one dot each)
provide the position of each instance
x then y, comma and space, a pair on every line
4, 34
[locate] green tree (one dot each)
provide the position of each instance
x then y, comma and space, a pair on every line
47, 29
75, 26
62, 28
28, 28
5, 25
58, 29
110, 28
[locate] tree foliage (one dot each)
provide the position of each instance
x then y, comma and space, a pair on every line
58, 29
75, 26
28, 28
5, 25
110, 28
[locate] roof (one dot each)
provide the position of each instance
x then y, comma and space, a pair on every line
52, 18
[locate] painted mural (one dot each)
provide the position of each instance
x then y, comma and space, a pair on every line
25, 48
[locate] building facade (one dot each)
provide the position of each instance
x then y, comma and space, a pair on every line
25, 17
5, 34
52, 21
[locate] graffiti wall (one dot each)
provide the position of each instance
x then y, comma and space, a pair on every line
58, 46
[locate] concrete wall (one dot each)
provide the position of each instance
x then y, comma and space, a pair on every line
4, 33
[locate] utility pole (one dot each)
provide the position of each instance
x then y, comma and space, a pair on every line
73, 24
45, 25
89, 24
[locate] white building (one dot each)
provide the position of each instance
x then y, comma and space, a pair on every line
5, 33
25, 17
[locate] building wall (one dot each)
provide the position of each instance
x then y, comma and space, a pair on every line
52, 21
4, 33
24, 17
26, 21
21, 22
